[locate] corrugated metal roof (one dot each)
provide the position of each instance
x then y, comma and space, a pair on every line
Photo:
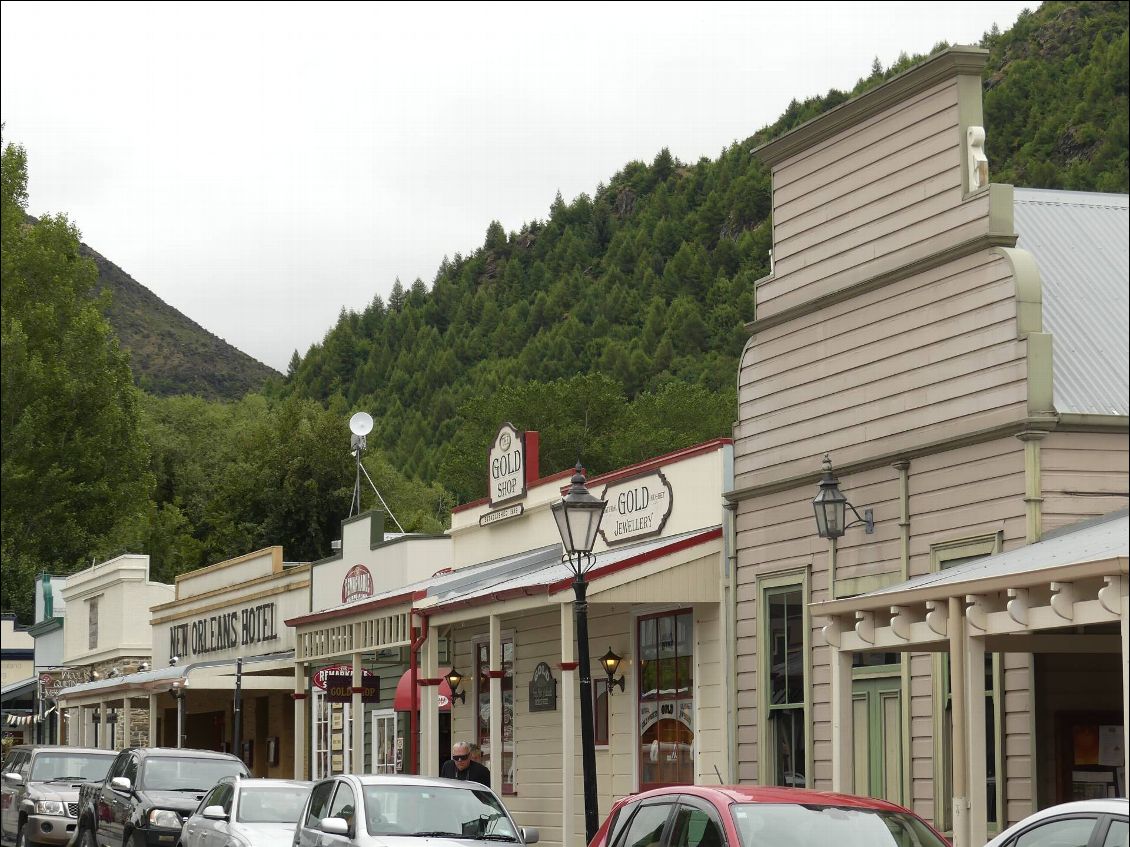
1081, 245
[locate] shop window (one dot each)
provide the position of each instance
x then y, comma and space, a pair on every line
92, 623
600, 711
943, 556
784, 694
666, 699
482, 701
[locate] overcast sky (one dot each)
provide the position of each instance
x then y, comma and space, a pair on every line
261, 166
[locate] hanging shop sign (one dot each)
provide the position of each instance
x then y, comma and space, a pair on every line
637, 507
543, 690
357, 585
53, 681
506, 466
337, 682
339, 687
226, 631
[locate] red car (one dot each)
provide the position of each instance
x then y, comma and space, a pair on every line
737, 816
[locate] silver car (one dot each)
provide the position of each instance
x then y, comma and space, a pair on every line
243, 812
1090, 823
397, 811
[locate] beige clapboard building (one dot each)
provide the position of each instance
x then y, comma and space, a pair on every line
959, 349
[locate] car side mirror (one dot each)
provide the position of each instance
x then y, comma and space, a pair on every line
335, 826
215, 813
121, 783
13, 778
530, 835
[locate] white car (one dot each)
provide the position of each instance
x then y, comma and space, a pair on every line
406, 811
1084, 823
242, 812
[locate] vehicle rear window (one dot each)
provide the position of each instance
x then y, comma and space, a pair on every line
84, 767
791, 825
175, 773
274, 804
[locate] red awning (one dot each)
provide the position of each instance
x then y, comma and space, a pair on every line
402, 702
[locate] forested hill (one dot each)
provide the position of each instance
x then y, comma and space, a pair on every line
169, 352
635, 298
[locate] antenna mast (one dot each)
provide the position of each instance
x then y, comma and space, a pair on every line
361, 424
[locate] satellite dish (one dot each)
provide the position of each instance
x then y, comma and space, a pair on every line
361, 423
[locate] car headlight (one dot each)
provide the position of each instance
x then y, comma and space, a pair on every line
164, 817
50, 807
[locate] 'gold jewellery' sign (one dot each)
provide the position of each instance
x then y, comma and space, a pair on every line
637, 507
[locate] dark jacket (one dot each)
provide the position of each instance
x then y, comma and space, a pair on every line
476, 771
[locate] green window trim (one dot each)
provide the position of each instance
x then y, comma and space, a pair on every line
768, 586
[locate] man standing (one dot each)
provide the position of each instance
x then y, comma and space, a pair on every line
460, 765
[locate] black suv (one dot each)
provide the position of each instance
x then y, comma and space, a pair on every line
148, 794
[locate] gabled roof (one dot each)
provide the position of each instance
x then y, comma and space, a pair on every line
1081, 244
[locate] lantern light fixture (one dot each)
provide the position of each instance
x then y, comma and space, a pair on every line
831, 508
611, 663
454, 678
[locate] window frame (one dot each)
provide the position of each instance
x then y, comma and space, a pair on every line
509, 787
670, 801
767, 585
92, 612
673, 612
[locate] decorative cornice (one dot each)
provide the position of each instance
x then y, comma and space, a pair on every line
946, 65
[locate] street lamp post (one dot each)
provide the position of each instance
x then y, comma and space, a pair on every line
578, 516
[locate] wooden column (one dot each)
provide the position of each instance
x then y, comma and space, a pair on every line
429, 710
975, 750
300, 721
357, 712
568, 702
843, 760
960, 734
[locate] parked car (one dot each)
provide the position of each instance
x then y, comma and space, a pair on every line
39, 795
147, 794
738, 816
389, 810
246, 813
1083, 823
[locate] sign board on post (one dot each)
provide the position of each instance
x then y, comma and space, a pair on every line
543, 689
506, 466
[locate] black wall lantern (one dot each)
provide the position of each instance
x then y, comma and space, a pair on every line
454, 678
611, 662
831, 508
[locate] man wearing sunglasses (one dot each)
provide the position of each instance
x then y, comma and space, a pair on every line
462, 766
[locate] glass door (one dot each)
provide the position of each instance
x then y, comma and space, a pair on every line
384, 754
331, 736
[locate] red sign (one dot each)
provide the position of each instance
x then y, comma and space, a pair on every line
357, 585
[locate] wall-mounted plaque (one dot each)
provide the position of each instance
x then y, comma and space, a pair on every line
543, 689
637, 507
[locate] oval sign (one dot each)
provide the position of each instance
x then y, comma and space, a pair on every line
357, 585
637, 507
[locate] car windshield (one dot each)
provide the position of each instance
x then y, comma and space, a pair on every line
87, 767
792, 825
425, 810
168, 773
274, 804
